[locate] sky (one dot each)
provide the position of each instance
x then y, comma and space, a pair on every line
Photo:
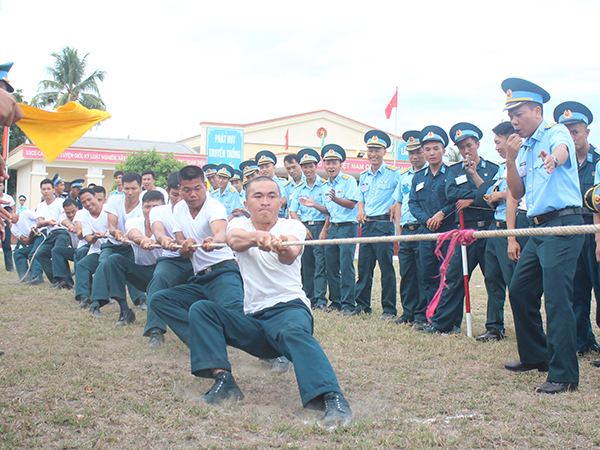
171, 65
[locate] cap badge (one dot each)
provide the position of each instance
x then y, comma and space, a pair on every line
459, 133
411, 140
509, 94
430, 135
375, 138
331, 152
568, 114
263, 158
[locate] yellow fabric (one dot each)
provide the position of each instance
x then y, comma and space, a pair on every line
54, 131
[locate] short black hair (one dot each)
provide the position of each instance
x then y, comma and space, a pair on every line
85, 191
191, 173
503, 129
153, 196
46, 181
130, 177
99, 190
117, 173
173, 181
8, 209
149, 172
70, 202
290, 159
259, 179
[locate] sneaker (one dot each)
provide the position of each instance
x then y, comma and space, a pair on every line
141, 302
224, 389
157, 338
125, 318
84, 302
346, 312
35, 282
420, 324
324, 308
280, 365
95, 311
337, 412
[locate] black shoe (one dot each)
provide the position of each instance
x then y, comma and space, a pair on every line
556, 388
84, 302
280, 365
386, 316
401, 321
420, 324
140, 301
337, 412
491, 335
35, 282
595, 362
143, 303
224, 389
125, 318
346, 312
95, 311
157, 338
594, 348
518, 366
324, 308
62, 285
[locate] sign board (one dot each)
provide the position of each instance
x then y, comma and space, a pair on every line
225, 146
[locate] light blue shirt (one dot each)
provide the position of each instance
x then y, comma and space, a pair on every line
281, 184
307, 213
596, 174
229, 198
402, 194
500, 183
289, 187
548, 192
345, 188
377, 189
116, 192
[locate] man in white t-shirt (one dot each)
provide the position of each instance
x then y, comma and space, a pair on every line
49, 210
172, 269
61, 255
199, 219
6, 244
24, 228
94, 229
277, 318
119, 208
148, 180
120, 267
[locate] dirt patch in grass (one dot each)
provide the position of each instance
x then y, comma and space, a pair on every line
69, 380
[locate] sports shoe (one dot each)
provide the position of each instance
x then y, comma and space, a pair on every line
386, 316
280, 365
141, 303
125, 318
157, 338
95, 311
337, 412
224, 389
556, 388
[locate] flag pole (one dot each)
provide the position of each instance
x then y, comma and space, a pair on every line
465, 265
396, 130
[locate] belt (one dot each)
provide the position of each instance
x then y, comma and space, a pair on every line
56, 231
588, 219
543, 218
501, 224
314, 222
412, 226
380, 218
216, 266
478, 224
522, 211
343, 224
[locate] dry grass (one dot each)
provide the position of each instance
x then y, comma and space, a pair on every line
68, 380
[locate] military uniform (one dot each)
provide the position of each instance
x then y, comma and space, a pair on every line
266, 157
377, 195
228, 197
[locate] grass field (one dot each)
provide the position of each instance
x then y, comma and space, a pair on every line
69, 380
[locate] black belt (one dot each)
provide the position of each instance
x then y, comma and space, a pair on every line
478, 224
380, 218
314, 222
543, 218
343, 224
501, 224
216, 266
588, 219
522, 212
412, 226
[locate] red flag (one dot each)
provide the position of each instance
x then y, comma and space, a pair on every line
287, 134
391, 105
5, 143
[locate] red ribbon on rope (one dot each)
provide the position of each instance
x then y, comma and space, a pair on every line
459, 237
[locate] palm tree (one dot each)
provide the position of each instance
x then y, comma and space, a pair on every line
452, 155
68, 83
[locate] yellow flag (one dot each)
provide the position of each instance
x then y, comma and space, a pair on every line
53, 131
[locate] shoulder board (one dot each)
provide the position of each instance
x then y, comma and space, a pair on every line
213, 191
283, 179
324, 180
550, 126
298, 185
231, 189
421, 169
391, 167
287, 182
406, 169
345, 177
364, 171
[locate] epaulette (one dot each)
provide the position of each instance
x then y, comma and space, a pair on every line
324, 180
213, 191
364, 171
231, 189
288, 182
345, 177
299, 184
391, 167
550, 125
283, 179
406, 169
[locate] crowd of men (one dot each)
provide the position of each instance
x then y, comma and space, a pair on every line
157, 244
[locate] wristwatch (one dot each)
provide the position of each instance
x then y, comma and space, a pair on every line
555, 160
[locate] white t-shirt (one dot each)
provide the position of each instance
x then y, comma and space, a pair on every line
51, 212
199, 228
159, 189
142, 257
164, 215
78, 215
74, 238
27, 220
7, 198
90, 225
266, 280
116, 205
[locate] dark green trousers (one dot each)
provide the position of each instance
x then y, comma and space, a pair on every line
58, 238
339, 262
412, 291
369, 255
314, 275
547, 266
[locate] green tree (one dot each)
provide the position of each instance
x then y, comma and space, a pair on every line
452, 155
162, 165
69, 84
